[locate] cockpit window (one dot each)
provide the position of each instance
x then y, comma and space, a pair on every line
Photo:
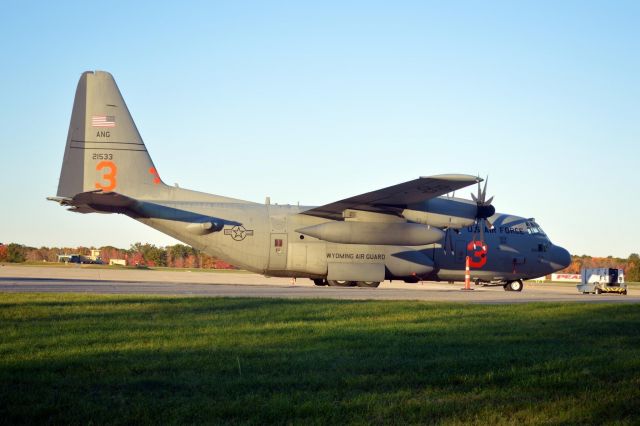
533, 228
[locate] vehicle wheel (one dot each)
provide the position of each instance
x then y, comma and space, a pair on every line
598, 291
516, 285
368, 284
340, 283
320, 282
624, 292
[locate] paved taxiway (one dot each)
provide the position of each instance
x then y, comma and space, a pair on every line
237, 284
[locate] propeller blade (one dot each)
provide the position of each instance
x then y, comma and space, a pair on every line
445, 242
448, 242
473, 197
486, 203
475, 231
482, 225
484, 190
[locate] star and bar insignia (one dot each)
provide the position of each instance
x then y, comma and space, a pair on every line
239, 232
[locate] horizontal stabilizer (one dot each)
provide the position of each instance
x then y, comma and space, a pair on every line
113, 202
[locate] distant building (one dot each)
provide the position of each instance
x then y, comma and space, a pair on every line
95, 254
571, 278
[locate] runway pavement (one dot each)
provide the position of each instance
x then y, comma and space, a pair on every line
77, 279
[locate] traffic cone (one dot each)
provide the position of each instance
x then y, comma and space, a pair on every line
467, 276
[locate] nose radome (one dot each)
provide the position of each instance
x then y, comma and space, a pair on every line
560, 257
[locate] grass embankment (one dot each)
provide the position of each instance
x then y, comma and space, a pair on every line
132, 360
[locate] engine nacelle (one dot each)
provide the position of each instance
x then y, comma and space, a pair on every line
378, 233
409, 263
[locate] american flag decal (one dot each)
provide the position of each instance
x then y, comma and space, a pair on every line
103, 121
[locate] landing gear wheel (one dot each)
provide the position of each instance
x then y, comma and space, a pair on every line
368, 284
341, 283
517, 285
320, 282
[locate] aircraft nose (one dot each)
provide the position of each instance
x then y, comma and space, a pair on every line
560, 258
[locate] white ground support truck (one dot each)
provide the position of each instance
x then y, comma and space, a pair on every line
602, 280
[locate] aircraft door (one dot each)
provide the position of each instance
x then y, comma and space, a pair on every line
278, 252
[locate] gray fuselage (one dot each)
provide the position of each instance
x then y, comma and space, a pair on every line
262, 238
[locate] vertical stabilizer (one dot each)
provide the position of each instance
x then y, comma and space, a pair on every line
104, 150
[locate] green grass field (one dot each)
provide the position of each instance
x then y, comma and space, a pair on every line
70, 359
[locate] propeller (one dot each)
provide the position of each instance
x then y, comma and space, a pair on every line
448, 241
485, 210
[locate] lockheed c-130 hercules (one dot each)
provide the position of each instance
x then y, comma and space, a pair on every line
411, 231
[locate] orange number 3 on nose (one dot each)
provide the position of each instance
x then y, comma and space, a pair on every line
109, 176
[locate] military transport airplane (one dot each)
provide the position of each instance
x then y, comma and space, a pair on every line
410, 231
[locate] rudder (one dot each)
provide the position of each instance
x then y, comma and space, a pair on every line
104, 150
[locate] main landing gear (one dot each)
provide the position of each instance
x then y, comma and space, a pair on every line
368, 284
517, 285
343, 283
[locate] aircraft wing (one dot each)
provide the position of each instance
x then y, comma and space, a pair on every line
394, 199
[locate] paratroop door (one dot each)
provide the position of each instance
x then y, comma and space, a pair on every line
278, 252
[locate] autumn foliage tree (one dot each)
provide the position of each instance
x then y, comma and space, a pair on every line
139, 254
150, 254
633, 268
584, 261
16, 253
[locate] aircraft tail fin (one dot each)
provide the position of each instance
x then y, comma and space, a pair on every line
104, 150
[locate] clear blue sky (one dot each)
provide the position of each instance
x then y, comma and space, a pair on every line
314, 102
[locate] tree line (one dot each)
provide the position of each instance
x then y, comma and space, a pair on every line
630, 265
139, 254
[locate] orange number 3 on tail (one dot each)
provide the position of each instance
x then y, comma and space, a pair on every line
109, 176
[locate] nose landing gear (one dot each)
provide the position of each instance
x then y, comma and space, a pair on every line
517, 285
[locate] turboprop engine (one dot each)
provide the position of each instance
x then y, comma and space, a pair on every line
377, 233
